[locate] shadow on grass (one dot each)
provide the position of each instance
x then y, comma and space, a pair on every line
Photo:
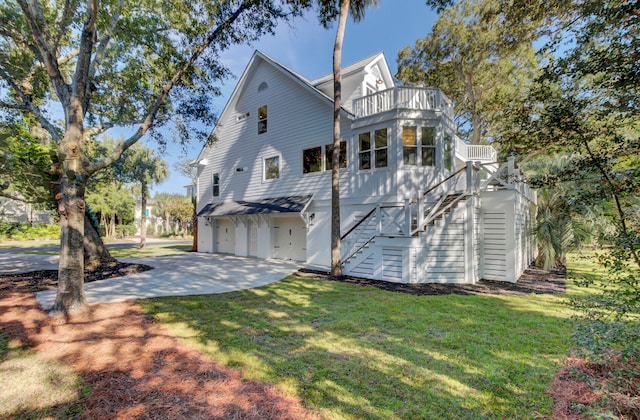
133, 369
354, 352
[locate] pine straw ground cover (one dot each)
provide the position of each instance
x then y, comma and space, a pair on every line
126, 366
116, 361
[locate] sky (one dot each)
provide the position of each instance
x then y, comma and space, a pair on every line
307, 48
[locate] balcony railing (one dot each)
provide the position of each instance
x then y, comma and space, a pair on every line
471, 152
400, 97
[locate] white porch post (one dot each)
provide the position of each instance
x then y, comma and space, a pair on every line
407, 217
420, 215
469, 240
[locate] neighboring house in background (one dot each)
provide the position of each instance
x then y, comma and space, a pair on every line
152, 221
19, 212
417, 204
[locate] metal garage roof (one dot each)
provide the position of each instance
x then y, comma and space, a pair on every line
291, 204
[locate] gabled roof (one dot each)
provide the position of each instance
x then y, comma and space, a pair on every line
254, 61
357, 67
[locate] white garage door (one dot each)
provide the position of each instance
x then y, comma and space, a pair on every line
252, 233
225, 236
289, 239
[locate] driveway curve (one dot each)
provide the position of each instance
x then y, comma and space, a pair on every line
181, 275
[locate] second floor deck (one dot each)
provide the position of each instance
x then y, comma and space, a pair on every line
402, 97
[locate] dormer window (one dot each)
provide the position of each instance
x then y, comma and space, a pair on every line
262, 119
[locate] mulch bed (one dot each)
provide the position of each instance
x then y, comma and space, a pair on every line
34, 281
533, 280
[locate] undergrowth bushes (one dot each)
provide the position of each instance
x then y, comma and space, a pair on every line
26, 232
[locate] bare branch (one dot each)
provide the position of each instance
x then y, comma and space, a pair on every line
99, 54
36, 21
13, 106
81, 78
18, 198
28, 105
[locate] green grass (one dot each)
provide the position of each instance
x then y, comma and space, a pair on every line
29, 244
353, 352
36, 388
148, 251
133, 251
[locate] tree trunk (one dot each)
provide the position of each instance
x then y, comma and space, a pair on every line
71, 207
336, 261
95, 253
194, 223
143, 215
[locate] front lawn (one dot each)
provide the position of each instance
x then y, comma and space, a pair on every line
356, 352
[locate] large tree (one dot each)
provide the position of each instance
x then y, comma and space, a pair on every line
329, 10
101, 64
481, 54
585, 105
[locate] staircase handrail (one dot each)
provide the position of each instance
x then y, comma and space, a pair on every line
368, 215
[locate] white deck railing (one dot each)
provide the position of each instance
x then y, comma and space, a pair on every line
400, 97
472, 152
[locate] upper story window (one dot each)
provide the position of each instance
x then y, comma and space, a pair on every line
262, 119
373, 154
215, 181
364, 153
410, 145
312, 160
428, 146
448, 151
381, 146
422, 152
328, 151
271, 168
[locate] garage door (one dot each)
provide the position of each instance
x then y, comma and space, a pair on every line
225, 236
252, 239
289, 239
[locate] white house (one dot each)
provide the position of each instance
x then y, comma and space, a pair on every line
417, 204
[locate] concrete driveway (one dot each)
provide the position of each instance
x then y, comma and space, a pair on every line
177, 275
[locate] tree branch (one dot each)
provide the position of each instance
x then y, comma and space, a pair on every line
81, 78
36, 21
99, 54
177, 77
28, 105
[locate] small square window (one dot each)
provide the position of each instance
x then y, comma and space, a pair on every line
312, 160
272, 167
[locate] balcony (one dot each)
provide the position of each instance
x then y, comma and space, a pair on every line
400, 97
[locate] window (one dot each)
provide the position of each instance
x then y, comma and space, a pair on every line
448, 152
364, 155
215, 181
312, 160
272, 167
410, 145
381, 148
428, 146
328, 152
262, 119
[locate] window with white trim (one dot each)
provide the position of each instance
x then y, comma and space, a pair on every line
271, 167
215, 181
262, 119
312, 160
428, 149
328, 156
448, 151
410, 145
381, 147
